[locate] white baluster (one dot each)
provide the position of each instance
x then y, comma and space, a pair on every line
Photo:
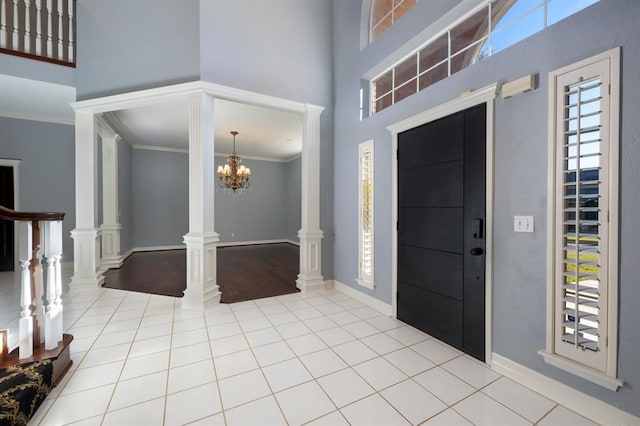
38, 27
38, 290
3, 24
15, 25
27, 26
71, 31
26, 322
53, 251
60, 31
49, 30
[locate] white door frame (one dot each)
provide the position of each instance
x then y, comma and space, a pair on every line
485, 95
14, 164
85, 240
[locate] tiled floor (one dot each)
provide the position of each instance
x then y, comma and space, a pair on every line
320, 358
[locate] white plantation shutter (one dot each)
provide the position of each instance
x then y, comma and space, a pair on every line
584, 203
365, 212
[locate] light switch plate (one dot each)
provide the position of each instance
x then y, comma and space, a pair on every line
523, 223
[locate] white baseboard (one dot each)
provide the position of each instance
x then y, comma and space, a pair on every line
251, 243
156, 248
588, 406
370, 301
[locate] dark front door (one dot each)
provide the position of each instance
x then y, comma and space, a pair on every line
441, 218
6, 227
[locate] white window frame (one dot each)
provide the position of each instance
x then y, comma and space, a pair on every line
365, 275
599, 367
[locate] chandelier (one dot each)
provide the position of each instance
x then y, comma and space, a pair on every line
234, 175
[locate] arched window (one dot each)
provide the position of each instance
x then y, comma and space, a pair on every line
384, 13
485, 30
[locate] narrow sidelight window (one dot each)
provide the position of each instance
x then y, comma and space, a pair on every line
365, 215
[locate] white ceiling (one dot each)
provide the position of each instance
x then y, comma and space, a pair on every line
263, 133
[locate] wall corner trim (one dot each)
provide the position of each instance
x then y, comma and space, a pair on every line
372, 302
593, 408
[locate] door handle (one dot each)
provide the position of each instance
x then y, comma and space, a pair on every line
476, 251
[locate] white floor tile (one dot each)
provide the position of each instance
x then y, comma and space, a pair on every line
228, 345
286, 374
224, 330
188, 325
190, 376
293, 329
219, 318
306, 312
408, 335
323, 362
273, 309
471, 371
143, 365
365, 313
306, 344
331, 419
280, 318
105, 355
335, 336
243, 388
140, 389
253, 324
448, 418
146, 413
150, 346
152, 331
264, 411
345, 387
320, 323
372, 410
384, 323
382, 343
304, 403
409, 362
354, 352
481, 410
380, 373
215, 420
244, 314
273, 353
560, 416
113, 339
93, 377
343, 318
188, 338
235, 363
413, 401
435, 351
78, 406
530, 405
444, 385
361, 329
190, 354
202, 402
262, 337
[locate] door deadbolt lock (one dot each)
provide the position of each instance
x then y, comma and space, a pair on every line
476, 251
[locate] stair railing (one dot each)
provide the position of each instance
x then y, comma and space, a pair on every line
40, 237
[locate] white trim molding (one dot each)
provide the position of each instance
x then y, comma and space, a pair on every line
372, 302
468, 99
256, 242
588, 406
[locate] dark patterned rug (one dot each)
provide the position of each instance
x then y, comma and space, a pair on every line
22, 390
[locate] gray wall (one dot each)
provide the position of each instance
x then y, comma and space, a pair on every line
281, 48
160, 195
128, 45
520, 171
160, 201
125, 186
47, 171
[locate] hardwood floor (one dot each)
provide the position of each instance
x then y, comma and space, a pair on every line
244, 272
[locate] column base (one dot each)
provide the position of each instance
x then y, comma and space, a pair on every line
310, 277
202, 288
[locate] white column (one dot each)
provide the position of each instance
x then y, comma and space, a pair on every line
201, 240
110, 228
86, 248
310, 277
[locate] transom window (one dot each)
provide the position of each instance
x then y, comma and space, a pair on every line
484, 31
384, 13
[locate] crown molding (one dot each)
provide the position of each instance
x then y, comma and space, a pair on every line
36, 117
